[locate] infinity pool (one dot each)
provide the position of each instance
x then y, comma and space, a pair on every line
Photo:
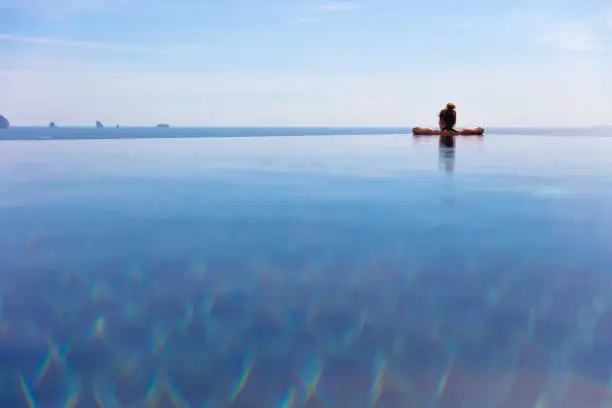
331, 271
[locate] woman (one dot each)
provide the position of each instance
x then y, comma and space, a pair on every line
448, 118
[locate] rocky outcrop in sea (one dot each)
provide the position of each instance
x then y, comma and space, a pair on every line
99, 124
52, 125
4, 123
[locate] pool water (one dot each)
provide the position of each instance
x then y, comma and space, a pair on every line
331, 271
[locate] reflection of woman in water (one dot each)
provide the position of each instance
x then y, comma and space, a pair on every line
447, 155
447, 141
448, 119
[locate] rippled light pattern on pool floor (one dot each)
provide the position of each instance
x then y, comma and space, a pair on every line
336, 271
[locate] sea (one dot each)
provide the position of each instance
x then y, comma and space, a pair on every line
305, 267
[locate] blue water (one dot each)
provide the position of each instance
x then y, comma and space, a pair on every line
71, 133
331, 271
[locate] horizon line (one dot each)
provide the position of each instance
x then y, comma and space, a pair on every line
409, 127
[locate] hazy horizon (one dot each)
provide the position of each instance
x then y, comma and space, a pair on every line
305, 63
408, 127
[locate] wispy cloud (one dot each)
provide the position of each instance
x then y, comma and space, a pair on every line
337, 6
69, 9
305, 20
56, 9
315, 13
572, 37
608, 19
589, 34
78, 44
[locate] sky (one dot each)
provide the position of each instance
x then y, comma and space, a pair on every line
305, 62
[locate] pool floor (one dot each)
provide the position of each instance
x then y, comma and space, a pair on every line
332, 271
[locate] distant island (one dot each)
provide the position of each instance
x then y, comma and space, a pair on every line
4, 123
99, 124
163, 125
52, 125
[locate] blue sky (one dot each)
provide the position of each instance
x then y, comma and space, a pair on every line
305, 62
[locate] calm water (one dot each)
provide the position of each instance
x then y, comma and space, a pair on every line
334, 271
71, 133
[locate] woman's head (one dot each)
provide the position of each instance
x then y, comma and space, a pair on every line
450, 106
